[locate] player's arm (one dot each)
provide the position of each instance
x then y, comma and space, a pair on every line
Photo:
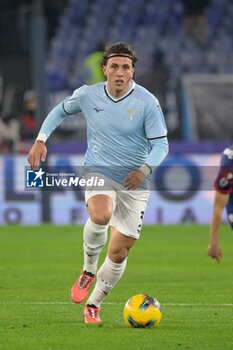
156, 132
38, 151
214, 249
158, 152
71, 105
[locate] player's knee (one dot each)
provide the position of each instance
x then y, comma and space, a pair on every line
118, 255
101, 218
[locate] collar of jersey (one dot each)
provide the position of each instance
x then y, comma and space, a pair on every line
118, 99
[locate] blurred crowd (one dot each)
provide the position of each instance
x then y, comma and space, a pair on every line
15, 22
18, 124
20, 128
74, 59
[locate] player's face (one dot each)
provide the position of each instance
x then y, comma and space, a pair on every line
119, 71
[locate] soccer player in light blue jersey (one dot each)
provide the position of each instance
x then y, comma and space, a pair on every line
127, 136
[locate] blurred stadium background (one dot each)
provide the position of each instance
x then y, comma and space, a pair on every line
185, 51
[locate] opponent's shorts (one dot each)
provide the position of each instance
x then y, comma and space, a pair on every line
128, 206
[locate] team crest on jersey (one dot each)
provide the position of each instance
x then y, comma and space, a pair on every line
131, 113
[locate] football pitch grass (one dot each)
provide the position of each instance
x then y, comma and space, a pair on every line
38, 266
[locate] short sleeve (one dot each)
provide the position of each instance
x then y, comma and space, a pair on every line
224, 180
73, 104
155, 126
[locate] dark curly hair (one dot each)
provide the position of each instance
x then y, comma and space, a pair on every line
119, 48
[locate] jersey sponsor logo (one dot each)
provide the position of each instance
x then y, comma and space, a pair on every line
98, 110
131, 113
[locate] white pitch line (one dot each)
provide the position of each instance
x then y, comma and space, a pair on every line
197, 304
106, 303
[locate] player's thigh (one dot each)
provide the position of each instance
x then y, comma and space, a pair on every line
119, 245
100, 208
128, 215
101, 202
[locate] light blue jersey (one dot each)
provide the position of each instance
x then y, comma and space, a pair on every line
119, 130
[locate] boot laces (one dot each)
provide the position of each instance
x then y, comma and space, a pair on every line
85, 279
93, 312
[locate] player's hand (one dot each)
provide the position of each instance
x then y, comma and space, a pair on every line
134, 179
215, 252
37, 152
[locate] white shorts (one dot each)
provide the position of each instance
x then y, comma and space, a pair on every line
128, 206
